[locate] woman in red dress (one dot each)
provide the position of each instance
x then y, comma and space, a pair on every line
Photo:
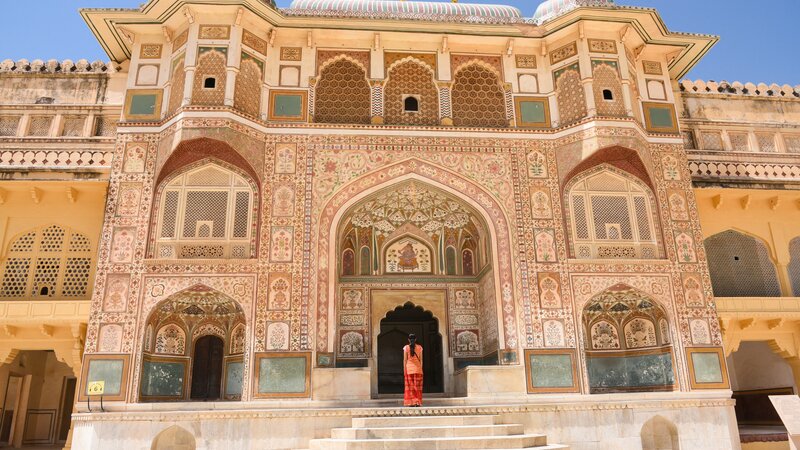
412, 371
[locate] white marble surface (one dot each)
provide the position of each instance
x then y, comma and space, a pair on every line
701, 421
341, 384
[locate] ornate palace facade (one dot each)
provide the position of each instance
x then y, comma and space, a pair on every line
235, 223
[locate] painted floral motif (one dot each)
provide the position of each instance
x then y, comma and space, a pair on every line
553, 333
640, 333
604, 336
122, 245
116, 295
671, 168
110, 340
278, 336
283, 201
279, 291
171, 340
465, 299
467, 341
282, 241
540, 205
677, 206
237, 339
537, 165
549, 291
128, 204
545, 245
693, 290
351, 342
285, 158
685, 245
701, 335
134, 157
352, 299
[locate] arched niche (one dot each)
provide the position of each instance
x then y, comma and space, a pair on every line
182, 361
408, 228
740, 266
174, 438
627, 341
659, 433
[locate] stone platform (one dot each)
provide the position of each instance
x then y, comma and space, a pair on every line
620, 421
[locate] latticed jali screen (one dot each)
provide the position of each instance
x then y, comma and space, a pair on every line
205, 213
342, 94
740, 266
411, 78
52, 262
612, 218
794, 265
478, 99
40, 126
8, 125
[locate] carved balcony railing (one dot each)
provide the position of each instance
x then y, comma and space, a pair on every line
706, 165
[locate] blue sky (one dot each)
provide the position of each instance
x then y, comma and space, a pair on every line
759, 39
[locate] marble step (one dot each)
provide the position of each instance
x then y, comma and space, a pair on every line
427, 431
521, 441
422, 421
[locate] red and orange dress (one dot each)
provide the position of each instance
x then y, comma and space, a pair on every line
413, 376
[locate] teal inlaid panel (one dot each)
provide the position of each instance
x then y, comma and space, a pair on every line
633, 371
551, 371
163, 379
234, 373
108, 371
707, 368
282, 375
532, 111
288, 105
143, 104
661, 117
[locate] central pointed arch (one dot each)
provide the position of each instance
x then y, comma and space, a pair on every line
452, 183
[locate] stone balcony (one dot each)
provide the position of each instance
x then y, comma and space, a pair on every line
710, 166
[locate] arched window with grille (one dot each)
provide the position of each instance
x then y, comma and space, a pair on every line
794, 265
611, 215
206, 212
740, 266
47, 263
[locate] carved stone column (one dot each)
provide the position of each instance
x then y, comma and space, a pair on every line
376, 101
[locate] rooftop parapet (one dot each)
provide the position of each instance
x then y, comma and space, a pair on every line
53, 66
737, 88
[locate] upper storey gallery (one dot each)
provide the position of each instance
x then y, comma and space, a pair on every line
375, 62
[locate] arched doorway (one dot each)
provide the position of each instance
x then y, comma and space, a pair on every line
395, 328
207, 368
193, 348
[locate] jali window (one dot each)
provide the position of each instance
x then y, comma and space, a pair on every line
206, 212
612, 216
46, 263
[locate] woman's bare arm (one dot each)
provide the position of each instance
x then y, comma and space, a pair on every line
405, 360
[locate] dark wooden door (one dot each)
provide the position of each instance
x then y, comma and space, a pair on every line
395, 329
207, 368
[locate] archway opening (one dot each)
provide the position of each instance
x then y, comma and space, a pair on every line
758, 371
419, 242
628, 343
194, 348
395, 328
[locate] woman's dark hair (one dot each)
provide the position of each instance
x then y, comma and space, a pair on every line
412, 341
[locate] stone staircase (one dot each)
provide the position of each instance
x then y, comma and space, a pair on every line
431, 432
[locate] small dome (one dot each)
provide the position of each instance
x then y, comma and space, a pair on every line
550, 9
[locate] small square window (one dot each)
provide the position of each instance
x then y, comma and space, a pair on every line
411, 103
210, 83
608, 95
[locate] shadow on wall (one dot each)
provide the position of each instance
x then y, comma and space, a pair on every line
174, 438
659, 433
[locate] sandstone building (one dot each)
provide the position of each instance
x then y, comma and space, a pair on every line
235, 223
